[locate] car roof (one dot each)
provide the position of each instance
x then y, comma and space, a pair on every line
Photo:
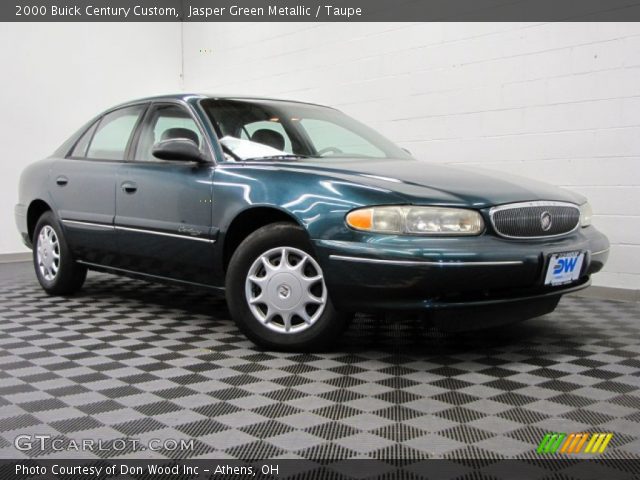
186, 97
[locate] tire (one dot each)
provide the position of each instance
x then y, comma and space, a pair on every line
59, 275
282, 292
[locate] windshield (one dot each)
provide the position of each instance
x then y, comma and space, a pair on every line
259, 130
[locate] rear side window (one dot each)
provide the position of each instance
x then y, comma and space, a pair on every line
113, 133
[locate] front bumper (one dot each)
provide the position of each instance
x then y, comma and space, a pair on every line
377, 273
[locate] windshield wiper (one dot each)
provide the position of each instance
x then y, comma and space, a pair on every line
292, 156
228, 151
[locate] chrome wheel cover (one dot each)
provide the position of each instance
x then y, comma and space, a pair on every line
285, 290
48, 253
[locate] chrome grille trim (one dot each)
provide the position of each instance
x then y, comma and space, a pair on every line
526, 228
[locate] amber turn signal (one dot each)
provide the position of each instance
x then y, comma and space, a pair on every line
361, 219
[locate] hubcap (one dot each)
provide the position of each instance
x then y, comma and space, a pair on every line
48, 253
285, 290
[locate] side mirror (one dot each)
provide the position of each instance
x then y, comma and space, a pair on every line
179, 150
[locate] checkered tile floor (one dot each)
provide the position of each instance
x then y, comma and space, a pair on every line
127, 359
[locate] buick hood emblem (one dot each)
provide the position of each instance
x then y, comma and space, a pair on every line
545, 221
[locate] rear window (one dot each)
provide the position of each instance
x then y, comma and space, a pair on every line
113, 134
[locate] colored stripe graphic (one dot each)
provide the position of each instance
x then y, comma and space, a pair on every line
551, 442
598, 442
574, 442
581, 443
570, 443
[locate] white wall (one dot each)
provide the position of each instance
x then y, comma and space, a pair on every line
556, 102
56, 76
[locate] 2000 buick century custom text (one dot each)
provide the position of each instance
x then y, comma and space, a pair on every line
302, 216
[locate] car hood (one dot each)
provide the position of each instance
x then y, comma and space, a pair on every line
419, 181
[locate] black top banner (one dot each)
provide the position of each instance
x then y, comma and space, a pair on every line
319, 10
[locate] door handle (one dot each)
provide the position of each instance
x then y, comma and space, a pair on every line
129, 187
62, 180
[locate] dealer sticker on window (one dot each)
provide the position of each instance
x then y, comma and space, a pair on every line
564, 268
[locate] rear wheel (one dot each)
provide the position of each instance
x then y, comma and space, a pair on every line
276, 291
55, 268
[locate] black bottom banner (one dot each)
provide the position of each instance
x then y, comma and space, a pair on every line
600, 469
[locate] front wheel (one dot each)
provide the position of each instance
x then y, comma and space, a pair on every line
56, 270
276, 291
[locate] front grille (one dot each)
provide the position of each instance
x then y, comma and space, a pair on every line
530, 219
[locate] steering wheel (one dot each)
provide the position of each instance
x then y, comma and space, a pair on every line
329, 150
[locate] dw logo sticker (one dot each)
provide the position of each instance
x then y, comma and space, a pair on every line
565, 265
574, 443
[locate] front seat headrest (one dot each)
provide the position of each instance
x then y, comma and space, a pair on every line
268, 137
173, 133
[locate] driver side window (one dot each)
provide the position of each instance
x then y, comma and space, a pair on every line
166, 122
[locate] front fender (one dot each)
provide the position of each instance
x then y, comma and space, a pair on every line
316, 201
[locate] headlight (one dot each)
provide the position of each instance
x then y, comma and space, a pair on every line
417, 220
585, 214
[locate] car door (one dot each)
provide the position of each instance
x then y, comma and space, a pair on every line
163, 208
83, 184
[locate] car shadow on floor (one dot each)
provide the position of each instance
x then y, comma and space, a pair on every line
401, 335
